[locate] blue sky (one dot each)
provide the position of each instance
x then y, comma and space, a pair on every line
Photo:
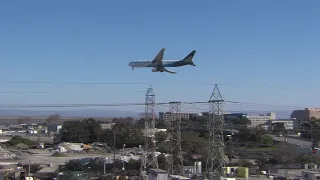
265, 43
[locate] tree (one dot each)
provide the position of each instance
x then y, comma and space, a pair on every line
192, 144
75, 165
201, 120
267, 140
278, 127
85, 131
161, 124
54, 118
238, 122
24, 120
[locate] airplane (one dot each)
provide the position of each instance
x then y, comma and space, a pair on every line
159, 65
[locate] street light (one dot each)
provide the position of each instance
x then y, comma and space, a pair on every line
124, 145
104, 167
311, 128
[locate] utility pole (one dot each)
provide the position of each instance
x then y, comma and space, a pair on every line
114, 151
175, 156
215, 161
149, 159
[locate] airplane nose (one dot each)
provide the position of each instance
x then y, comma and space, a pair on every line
130, 64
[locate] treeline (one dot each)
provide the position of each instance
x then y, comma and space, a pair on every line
130, 132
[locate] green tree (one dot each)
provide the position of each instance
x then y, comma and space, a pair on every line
85, 131
54, 118
75, 165
238, 122
278, 127
24, 120
267, 140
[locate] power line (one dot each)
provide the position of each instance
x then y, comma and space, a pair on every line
150, 83
268, 87
25, 92
77, 83
248, 104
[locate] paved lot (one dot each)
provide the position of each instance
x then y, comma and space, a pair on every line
259, 178
293, 141
42, 159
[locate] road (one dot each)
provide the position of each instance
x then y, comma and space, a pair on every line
299, 142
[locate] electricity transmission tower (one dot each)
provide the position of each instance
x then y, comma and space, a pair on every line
149, 160
175, 156
215, 161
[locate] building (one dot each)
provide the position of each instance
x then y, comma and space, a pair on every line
236, 172
177, 177
107, 126
54, 128
288, 123
12, 174
310, 175
191, 170
306, 114
79, 175
235, 115
165, 116
149, 132
157, 174
262, 119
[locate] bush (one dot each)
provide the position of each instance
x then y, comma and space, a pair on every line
18, 139
267, 140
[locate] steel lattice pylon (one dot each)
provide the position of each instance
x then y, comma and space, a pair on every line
149, 160
175, 156
215, 161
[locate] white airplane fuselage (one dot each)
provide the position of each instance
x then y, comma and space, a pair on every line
166, 63
159, 65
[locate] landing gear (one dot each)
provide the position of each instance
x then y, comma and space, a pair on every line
132, 68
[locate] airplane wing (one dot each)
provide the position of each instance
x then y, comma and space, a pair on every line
158, 59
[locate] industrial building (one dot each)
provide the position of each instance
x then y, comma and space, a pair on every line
306, 114
262, 119
165, 116
234, 115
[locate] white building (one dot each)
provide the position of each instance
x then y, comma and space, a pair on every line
261, 119
288, 124
106, 126
165, 116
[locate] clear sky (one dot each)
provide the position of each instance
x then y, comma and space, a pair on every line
249, 42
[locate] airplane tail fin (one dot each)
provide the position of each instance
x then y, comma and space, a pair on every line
189, 58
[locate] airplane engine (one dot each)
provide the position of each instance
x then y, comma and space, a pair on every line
155, 70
